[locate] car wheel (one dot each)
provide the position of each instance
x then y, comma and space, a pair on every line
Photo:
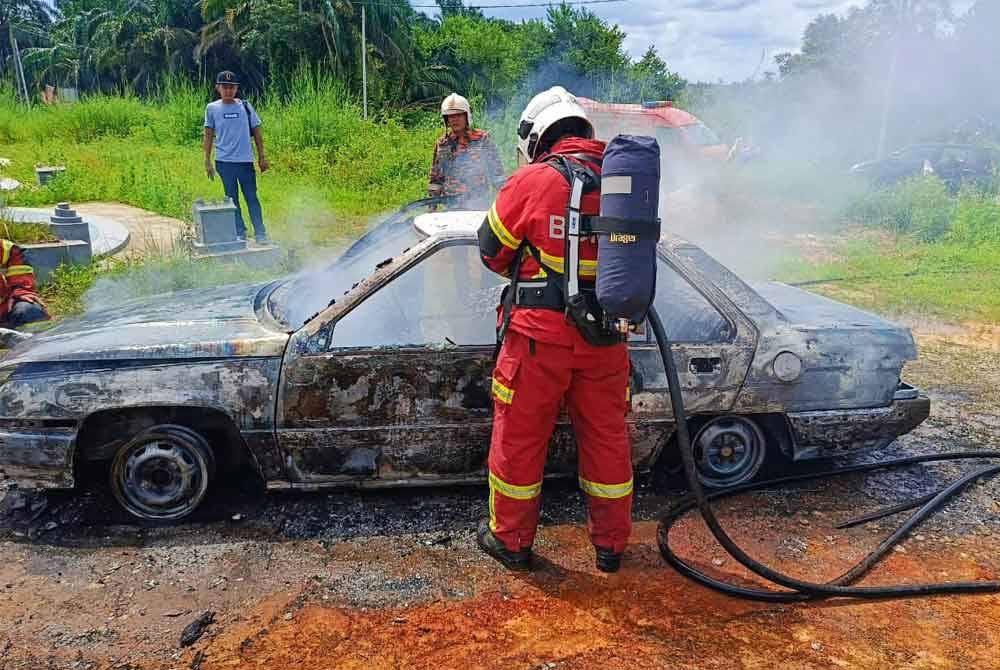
163, 473
729, 450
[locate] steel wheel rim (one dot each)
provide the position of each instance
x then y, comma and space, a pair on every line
163, 477
729, 451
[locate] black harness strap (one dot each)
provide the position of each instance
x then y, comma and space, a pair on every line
611, 224
508, 297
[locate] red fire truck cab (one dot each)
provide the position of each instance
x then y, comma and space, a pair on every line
674, 128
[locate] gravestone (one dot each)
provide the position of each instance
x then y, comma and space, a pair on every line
66, 224
215, 223
46, 173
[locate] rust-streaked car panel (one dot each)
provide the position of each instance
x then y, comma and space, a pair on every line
316, 414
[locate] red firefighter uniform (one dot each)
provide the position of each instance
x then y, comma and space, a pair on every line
544, 359
17, 285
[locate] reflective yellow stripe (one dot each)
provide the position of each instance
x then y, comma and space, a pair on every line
504, 235
587, 268
7, 246
493, 513
611, 491
18, 270
513, 490
502, 393
628, 393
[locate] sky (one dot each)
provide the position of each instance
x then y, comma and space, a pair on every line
708, 40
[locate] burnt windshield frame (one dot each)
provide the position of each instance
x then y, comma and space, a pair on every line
411, 263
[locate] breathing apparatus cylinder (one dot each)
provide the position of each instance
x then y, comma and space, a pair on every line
628, 228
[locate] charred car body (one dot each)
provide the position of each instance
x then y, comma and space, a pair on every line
388, 383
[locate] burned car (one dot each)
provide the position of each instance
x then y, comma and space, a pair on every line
375, 372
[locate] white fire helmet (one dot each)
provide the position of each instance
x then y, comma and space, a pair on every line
456, 104
545, 110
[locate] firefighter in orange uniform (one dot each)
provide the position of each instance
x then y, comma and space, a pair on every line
19, 303
466, 163
544, 357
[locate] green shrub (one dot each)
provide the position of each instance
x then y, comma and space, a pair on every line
920, 207
977, 218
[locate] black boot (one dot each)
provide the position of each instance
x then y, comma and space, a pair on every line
512, 560
607, 560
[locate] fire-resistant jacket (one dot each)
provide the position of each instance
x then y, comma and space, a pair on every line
467, 164
18, 278
531, 207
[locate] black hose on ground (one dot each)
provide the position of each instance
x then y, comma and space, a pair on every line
797, 589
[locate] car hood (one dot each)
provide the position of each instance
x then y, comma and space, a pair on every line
198, 323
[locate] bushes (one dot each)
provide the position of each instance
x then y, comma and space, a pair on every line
977, 218
923, 208
920, 207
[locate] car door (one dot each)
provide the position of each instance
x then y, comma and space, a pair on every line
397, 387
712, 344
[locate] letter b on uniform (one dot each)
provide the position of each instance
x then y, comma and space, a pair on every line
557, 227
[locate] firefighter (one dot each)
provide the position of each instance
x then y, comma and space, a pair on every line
19, 302
544, 359
466, 163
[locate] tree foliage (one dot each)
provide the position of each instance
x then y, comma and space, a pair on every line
879, 77
412, 58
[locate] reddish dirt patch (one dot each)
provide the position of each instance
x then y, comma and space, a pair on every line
568, 615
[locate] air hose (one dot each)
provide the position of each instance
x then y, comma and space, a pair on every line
796, 590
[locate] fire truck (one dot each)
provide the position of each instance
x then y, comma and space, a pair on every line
675, 129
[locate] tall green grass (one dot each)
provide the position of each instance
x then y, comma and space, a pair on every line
331, 169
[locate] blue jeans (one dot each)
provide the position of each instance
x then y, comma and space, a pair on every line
236, 176
23, 312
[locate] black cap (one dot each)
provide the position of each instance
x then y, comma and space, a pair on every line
226, 77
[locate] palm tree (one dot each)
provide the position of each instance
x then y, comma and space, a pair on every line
22, 22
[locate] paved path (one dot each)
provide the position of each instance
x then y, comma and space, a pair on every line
147, 231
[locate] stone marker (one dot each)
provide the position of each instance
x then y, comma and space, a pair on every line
66, 224
46, 173
215, 222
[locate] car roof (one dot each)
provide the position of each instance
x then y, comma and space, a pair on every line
455, 222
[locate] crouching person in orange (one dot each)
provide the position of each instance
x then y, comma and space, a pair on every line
19, 302
545, 357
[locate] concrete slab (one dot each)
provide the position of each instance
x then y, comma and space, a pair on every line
261, 257
106, 235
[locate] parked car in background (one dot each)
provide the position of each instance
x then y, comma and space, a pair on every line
375, 372
954, 164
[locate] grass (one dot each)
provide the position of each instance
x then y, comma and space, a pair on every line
330, 172
21, 232
899, 275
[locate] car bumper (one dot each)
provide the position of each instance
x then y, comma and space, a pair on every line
824, 434
37, 458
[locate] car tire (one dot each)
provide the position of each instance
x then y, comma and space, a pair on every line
163, 473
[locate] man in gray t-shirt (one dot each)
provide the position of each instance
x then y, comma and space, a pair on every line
229, 125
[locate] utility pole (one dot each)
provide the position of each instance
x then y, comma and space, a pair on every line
364, 61
18, 68
904, 17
